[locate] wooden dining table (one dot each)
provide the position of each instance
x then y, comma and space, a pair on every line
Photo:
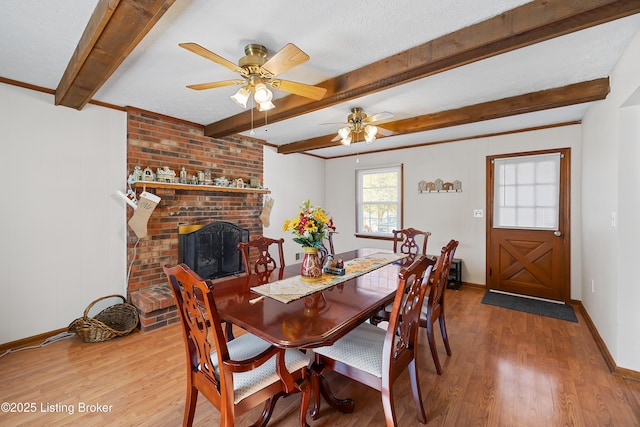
312, 321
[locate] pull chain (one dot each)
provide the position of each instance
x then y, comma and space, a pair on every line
265, 121
252, 133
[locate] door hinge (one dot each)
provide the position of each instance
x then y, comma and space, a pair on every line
490, 271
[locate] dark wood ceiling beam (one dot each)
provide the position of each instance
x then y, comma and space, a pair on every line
114, 30
526, 25
577, 93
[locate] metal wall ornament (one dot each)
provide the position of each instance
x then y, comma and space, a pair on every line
440, 186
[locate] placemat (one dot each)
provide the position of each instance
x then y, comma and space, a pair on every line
294, 288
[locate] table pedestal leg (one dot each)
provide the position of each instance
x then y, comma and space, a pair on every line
320, 386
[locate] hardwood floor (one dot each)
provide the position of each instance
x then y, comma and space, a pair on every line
507, 369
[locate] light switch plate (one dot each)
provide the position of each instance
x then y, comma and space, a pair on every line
478, 213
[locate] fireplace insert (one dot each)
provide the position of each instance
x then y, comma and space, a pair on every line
212, 250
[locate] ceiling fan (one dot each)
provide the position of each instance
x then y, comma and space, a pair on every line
258, 73
358, 122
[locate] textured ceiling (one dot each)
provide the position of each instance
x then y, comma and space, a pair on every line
37, 39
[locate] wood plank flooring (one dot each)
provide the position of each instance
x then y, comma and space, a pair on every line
507, 369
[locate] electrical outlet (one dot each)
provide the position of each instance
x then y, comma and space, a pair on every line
299, 256
478, 213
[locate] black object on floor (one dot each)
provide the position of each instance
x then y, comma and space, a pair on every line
533, 306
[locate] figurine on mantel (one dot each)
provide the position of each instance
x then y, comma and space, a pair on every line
137, 173
221, 182
148, 175
165, 175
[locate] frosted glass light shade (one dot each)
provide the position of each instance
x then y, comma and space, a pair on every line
241, 97
343, 132
266, 106
370, 132
262, 94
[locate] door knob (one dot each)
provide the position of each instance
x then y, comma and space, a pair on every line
557, 233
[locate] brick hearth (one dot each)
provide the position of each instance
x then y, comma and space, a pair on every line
156, 141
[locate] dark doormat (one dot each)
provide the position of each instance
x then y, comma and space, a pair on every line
533, 306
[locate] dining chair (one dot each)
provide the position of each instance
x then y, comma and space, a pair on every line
234, 376
330, 234
376, 357
265, 263
407, 241
433, 306
323, 252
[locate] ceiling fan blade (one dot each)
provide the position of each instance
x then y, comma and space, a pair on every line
336, 138
384, 132
285, 59
212, 85
334, 123
205, 53
377, 117
308, 91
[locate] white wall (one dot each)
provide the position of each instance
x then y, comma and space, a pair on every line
292, 179
63, 242
611, 155
64, 246
450, 215
629, 235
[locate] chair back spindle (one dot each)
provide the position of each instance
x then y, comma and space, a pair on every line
407, 241
265, 262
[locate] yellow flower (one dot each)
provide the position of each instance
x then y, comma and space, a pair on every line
310, 226
321, 217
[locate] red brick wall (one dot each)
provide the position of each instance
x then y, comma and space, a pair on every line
156, 141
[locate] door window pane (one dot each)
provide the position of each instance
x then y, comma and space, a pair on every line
527, 191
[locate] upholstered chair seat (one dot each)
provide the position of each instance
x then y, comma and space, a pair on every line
247, 383
360, 348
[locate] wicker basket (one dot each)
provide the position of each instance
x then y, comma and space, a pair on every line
115, 321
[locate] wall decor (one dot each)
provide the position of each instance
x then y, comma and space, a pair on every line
439, 186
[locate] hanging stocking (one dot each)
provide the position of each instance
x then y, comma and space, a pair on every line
266, 211
146, 204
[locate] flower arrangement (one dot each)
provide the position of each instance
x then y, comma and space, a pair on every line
310, 226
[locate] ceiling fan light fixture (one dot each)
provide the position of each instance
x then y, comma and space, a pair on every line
262, 94
346, 140
266, 106
344, 132
241, 97
370, 132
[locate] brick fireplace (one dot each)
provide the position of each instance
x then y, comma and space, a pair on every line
156, 141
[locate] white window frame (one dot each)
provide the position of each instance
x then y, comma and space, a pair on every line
360, 230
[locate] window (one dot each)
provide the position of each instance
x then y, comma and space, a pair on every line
379, 200
526, 192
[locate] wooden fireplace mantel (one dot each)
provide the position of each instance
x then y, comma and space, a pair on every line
199, 187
